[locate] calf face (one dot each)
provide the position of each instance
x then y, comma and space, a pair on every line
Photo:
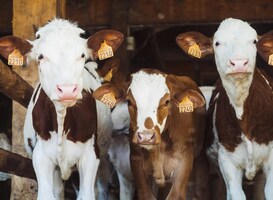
150, 95
233, 44
61, 52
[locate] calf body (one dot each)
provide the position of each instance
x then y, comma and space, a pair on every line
163, 141
241, 106
64, 124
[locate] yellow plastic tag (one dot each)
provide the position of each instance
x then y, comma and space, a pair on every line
16, 58
195, 51
185, 105
108, 76
105, 51
270, 60
109, 99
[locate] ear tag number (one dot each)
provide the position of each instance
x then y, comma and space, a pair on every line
185, 105
195, 51
105, 51
270, 60
16, 58
108, 76
109, 99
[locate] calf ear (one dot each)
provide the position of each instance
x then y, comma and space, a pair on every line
9, 43
265, 47
110, 94
111, 37
109, 69
195, 44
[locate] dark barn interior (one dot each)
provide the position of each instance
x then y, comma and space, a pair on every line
150, 28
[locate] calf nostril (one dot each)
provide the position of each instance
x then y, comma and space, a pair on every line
232, 63
153, 136
59, 89
139, 136
75, 89
246, 62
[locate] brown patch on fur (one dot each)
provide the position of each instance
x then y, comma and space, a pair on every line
132, 110
149, 124
255, 123
163, 108
35, 94
80, 120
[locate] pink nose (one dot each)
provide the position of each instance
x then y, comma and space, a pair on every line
146, 137
238, 63
67, 91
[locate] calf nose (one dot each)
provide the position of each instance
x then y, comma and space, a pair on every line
67, 91
238, 63
146, 137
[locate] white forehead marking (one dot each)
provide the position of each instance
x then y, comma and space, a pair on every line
235, 30
57, 37
147, 90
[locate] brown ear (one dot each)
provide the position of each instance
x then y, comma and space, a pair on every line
109, 69
115, 93
9, 43
189, 40
113, 38
265, 47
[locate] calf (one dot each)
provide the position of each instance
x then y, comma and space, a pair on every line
166, 130
64, 123
241, 105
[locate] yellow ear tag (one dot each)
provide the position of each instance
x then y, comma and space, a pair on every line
270, 60
108, 76
109, 99
185, 105
105, 51
195, 51
16, 58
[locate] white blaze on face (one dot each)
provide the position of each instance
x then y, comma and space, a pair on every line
147, 90
234, 41
61, 54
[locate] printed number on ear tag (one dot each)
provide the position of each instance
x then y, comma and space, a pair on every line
270, 60
16, 58
195, 51
105, 51
109, 99
185, 105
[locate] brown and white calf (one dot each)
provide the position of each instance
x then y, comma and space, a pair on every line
241, 105
167, 116
64, 123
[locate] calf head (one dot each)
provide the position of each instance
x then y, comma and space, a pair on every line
150, 94
61, 53
233, 45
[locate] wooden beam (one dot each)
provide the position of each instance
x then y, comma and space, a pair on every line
16, 164
25, 15
13, 86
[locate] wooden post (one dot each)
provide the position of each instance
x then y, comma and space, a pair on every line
25, 15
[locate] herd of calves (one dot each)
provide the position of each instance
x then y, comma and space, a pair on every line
165, 137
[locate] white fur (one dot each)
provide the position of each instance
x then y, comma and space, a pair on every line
119, 151
236, 42
207, 92
153, 87
4, 144
61, 47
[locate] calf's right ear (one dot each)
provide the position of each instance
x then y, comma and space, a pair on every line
195, 44
109, 94
9, 43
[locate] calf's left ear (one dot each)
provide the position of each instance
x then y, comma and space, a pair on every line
104, 38
265, 47
9, 43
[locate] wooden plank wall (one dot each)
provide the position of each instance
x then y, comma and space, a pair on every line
25, 15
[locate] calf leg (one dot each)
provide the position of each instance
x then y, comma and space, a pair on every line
58, 185
232, 176
44, 170
127, 188
88, 166
268, 190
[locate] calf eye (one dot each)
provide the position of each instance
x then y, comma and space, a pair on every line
217, 43
37, 36
255, 41
83, 55
40, 57
167, 102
